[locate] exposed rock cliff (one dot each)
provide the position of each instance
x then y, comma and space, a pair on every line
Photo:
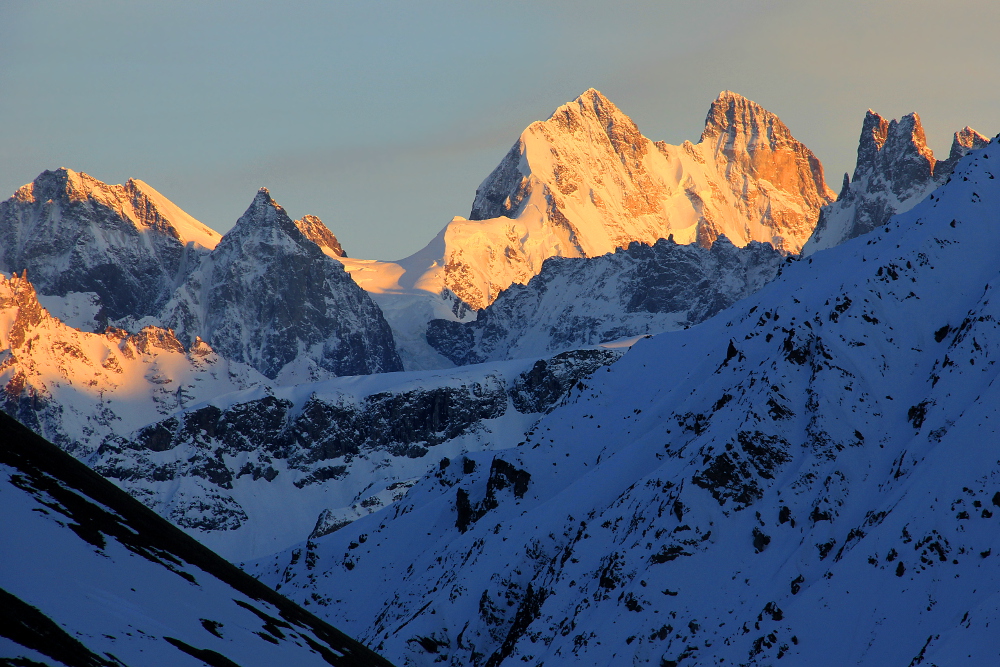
321, 455
895, 170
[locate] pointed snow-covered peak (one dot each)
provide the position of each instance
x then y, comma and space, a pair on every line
320, 234
127, 243
587, 118
966, 140
137, 201
590, 103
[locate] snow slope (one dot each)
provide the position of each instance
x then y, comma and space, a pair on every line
576, 302
90, 577
895, 171
127, 244
809, 477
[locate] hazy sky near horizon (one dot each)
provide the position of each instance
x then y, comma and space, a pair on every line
382, 117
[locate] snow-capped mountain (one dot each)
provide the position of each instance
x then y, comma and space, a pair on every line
895, 171
254, 472
76, 388
109, 251
809, 477
576, 302
586, 181
269, 296
91, 577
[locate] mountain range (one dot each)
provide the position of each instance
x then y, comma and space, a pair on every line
602, 419
807, 477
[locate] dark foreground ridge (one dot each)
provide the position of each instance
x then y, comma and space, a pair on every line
119, 528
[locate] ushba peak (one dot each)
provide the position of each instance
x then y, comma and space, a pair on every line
586, 181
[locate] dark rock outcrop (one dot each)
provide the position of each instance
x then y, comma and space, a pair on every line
574, 302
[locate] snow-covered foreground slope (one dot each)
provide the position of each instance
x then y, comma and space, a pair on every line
895, 171
576, 302
76, 388
126, 247
253, 472
90, 577
810, 477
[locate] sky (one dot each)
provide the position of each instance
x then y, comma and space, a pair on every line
383, 116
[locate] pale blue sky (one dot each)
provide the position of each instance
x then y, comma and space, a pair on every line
382, 117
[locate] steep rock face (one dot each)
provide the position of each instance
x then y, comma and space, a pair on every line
320, 234
76, 388
268, 296
895, 170
126, 244
585, 182
587, 301
806, 480
321, 455
92, 578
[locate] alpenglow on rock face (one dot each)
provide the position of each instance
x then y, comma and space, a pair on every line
128, 244
575, 302
76, 388
268, 296
895, 170
320, 234
585, 182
